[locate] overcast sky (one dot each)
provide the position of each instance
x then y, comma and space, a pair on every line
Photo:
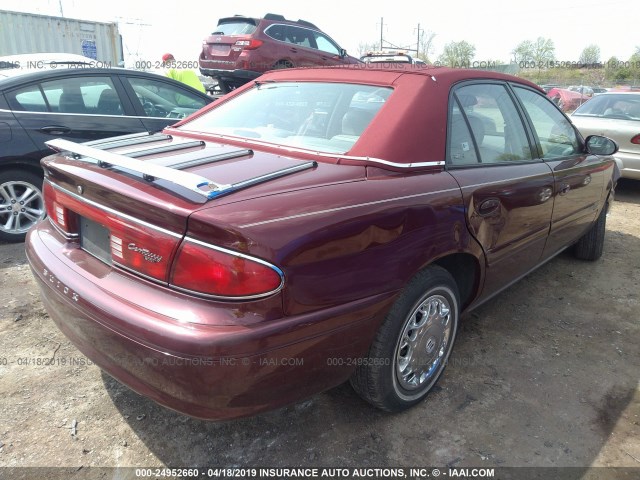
151, 28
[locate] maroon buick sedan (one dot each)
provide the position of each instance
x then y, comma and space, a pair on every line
312, 227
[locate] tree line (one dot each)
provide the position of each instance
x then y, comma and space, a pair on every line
536, 60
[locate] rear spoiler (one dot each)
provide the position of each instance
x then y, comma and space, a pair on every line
205, 189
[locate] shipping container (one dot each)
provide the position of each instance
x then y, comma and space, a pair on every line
22, 33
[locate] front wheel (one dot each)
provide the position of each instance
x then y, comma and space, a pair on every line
412, 347
21, 204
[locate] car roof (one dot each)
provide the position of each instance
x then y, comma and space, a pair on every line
386, 74
270, 18
431, 84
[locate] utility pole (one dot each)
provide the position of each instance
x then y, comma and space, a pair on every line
381, 27
418, 42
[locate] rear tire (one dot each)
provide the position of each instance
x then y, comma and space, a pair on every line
21, 204
591, 244
412, 347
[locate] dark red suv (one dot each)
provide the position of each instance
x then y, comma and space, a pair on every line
243, 48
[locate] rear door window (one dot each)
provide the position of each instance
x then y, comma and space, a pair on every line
27, 99
84, 95
278, 32
300, 36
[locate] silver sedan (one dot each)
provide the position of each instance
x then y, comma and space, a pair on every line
617, 116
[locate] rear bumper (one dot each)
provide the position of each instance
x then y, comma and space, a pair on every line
235, 75
206, 371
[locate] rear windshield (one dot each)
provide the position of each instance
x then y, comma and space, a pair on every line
234, 27
326, 117
623, 107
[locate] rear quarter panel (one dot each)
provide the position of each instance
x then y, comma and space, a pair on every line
345, 242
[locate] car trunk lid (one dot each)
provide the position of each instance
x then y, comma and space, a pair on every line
127, 201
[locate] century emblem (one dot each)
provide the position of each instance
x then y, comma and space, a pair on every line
146, 253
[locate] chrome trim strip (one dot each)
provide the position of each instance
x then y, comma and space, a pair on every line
127, 141
187, 180
140, 117
505, 180
172, 147
264, 178
137, 273
112, 211
120, 138
245, 152
435, 163
31, 112
347, 207
67, 235
237, 254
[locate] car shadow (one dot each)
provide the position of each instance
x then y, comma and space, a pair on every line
628, 191
540, 376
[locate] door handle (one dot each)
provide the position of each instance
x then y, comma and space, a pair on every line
294, 50
488, 207
564, 188
56, 130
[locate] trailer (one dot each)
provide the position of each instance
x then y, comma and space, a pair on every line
28, 33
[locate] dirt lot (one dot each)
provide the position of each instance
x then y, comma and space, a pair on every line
546, 374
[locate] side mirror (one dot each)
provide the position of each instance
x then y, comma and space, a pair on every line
343, 53
599, 145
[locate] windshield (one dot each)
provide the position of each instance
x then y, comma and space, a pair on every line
624, 106
325, 117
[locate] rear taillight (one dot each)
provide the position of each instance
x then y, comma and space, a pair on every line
158, 254
251, 44
58, 214
134, 244
210, 270
636, 140
140, 248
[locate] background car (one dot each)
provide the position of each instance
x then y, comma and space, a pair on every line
549, 86
312, 227
582, 89
616, 115
391, 58
242, 48
566, 100
77, 104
